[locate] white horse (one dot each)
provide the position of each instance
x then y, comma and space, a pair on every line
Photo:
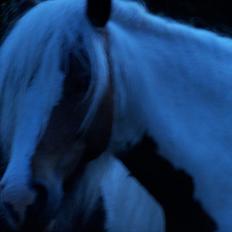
144, 75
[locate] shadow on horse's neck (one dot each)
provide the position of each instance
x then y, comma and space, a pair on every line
172, 188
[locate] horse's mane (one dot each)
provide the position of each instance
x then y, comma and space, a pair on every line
32, 58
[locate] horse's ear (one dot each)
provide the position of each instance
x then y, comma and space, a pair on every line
98, 12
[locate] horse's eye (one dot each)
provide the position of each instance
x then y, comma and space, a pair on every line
77, 76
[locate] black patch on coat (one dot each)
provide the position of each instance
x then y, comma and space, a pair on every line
172, 188
98, 12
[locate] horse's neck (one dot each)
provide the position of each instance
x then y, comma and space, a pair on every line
176, 83
186, 94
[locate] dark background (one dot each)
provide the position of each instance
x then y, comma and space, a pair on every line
214, 15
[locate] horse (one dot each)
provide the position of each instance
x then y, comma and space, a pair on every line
130, 86
44, 193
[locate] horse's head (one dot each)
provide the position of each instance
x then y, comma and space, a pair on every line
56, 109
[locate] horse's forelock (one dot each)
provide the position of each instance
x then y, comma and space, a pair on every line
29, 49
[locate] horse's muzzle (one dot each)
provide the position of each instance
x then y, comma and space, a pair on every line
29, 208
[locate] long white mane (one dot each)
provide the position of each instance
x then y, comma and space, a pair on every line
31, 75
33, 55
